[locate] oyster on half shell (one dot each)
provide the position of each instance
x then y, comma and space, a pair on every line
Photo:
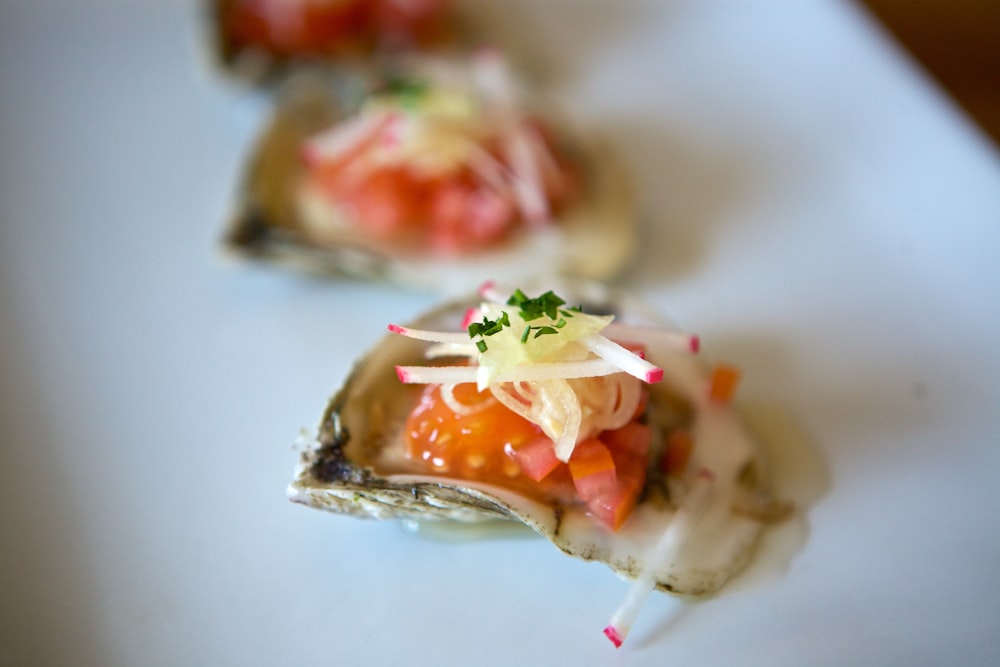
280, 218
356, 467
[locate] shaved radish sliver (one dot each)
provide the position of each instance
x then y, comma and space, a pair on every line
669, 544
488, 290
490, 70
451, 350
471, 315
624, 359
645, 334
340, 142
430, 336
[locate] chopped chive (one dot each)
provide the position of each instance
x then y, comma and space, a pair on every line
488, 327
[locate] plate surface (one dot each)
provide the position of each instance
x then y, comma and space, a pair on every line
812, 206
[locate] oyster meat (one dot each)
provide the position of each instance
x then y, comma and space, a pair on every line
356, 467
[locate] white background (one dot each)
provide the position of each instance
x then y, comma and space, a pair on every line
812, 206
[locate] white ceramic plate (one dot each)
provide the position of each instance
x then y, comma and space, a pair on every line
813, 207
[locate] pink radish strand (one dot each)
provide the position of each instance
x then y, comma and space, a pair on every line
430, 336
340, 141
624, 359
666, 549
492, 75
638, 332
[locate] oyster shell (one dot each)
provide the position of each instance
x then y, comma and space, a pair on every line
275, 218
356, 467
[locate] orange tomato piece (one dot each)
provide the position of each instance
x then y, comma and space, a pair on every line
614, 507
385, 202
722, 383
592, 469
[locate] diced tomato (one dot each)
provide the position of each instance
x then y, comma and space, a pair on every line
722, 384
592, 469
446, 212
613, 507
537, 458
633, 438
386, 201
491, 444
629, 446
462, 215
488, 215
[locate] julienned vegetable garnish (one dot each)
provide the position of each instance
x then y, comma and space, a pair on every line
447, 160
606, 437
576, 351
449, 169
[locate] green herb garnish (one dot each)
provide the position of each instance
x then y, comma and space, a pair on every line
407, 91
529, 309
539, 331
488, 327
547, 304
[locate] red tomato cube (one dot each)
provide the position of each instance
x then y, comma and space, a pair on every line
537, 459
592, 469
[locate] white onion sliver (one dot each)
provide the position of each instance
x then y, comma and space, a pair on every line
526, 390
511, 402
451, 350
563, 413
534, 373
